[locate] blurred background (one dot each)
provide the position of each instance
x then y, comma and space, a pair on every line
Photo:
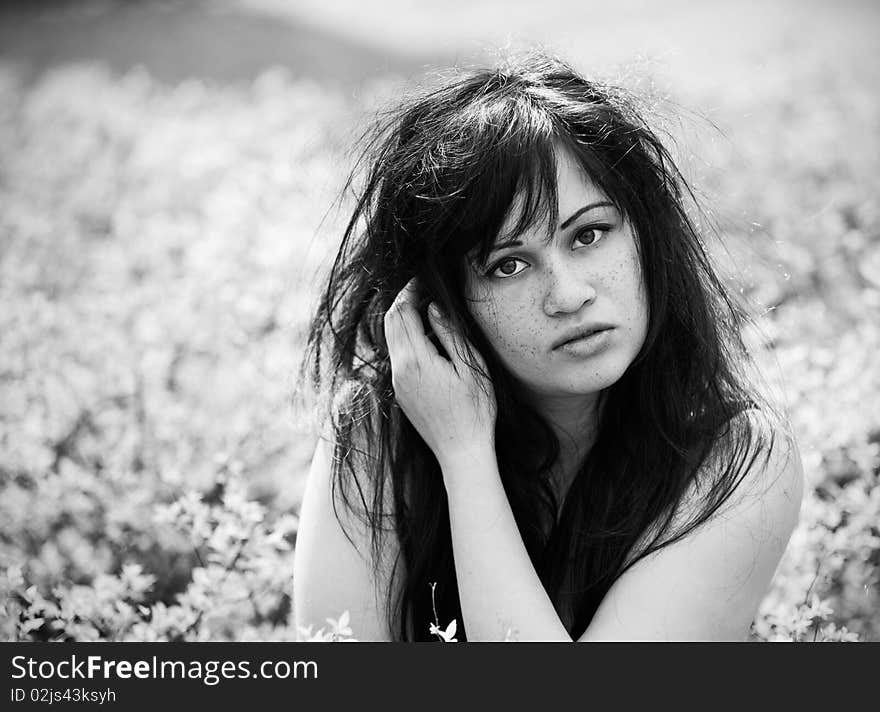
169, 175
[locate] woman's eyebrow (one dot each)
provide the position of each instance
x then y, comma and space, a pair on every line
586, 208
504, 244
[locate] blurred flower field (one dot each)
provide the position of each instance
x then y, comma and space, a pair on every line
159, 247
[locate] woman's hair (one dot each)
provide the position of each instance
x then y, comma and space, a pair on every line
441, 175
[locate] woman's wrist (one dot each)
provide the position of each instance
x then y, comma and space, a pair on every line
470, 464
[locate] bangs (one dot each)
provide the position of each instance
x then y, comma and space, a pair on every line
478, 167
516, 188
528, 197
498, 175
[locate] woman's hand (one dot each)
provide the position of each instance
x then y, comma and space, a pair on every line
450, 404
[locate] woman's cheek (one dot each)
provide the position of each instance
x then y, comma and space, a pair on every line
516, 336
506, 327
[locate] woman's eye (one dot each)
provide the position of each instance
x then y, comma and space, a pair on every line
508, 267
590, 235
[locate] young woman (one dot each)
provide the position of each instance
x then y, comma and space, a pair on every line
537, 419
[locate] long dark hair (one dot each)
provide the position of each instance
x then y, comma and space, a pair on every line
440, 175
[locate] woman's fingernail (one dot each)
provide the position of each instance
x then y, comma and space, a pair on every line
435, 310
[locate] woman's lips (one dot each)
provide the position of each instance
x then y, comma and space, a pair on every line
591, 343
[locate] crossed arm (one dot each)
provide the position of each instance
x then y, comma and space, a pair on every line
705, 587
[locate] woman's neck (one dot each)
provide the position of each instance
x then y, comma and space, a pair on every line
575, 421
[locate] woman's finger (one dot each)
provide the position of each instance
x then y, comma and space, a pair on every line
452, 342
408, 294
403, 325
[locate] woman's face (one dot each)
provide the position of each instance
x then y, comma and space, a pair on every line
565, 317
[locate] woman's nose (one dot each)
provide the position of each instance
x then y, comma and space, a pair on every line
568, 288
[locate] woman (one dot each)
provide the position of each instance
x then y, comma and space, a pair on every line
538, 423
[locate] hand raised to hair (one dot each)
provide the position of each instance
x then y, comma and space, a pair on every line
450, 404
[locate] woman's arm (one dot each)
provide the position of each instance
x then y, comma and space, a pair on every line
332, 574
708, 586
501, 595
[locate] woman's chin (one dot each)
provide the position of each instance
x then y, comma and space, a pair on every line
579, 382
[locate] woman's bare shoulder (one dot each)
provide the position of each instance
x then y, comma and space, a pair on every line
768, 465
754, 468
708, 584
334, 565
